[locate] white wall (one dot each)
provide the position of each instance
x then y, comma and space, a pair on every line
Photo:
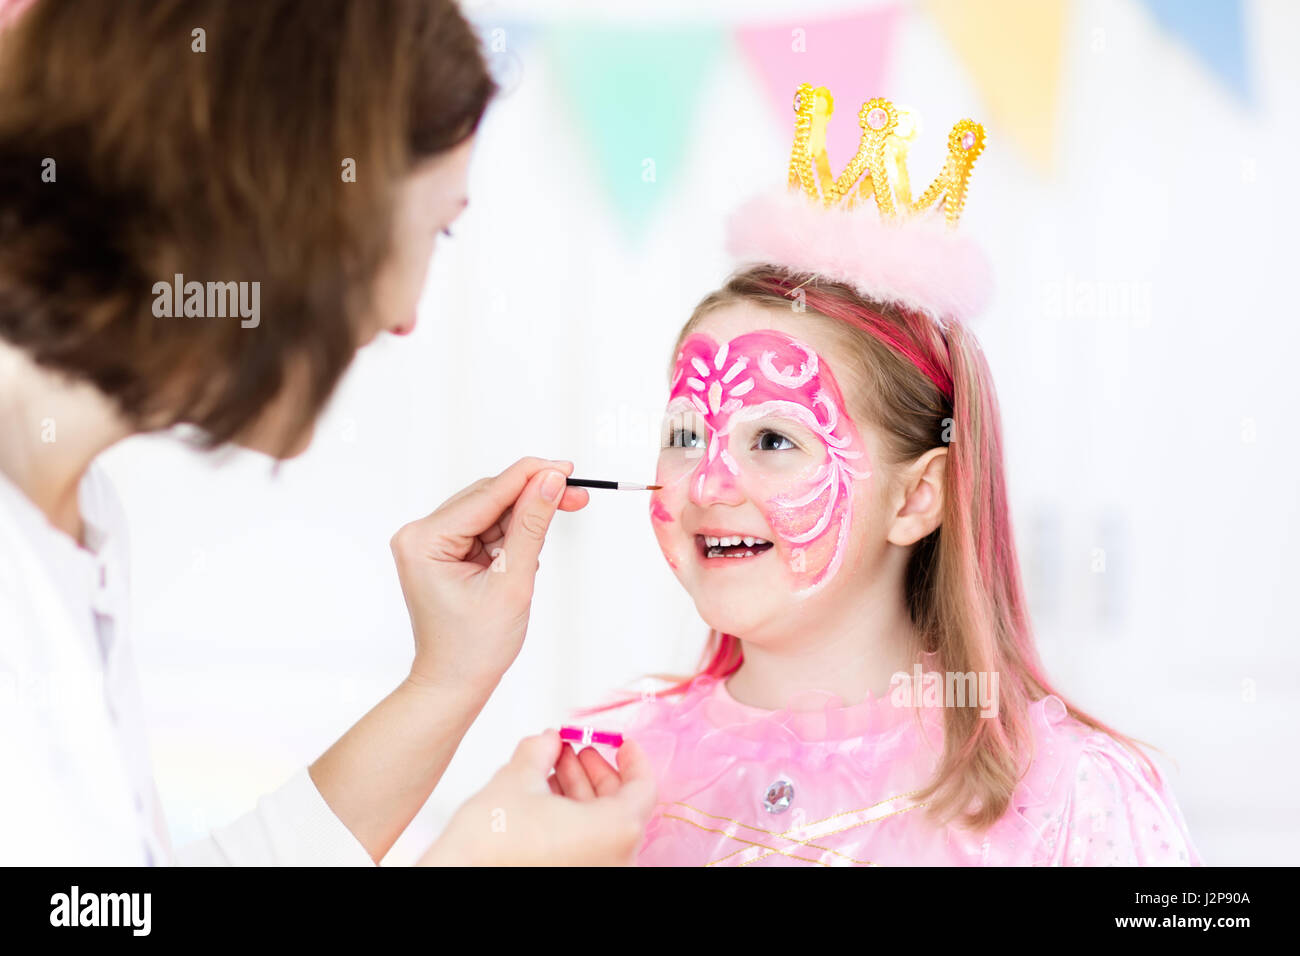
268, 615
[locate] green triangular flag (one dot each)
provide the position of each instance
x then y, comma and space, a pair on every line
635, 90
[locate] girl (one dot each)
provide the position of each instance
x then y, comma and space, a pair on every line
833, 500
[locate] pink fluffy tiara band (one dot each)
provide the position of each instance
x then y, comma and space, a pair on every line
898, 249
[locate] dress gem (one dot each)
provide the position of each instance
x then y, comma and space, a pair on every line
779, 796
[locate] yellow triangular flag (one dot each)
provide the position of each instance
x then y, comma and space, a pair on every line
1013, 50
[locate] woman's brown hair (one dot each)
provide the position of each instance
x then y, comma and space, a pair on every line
145, 138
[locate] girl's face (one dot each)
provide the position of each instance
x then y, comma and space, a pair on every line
760, 448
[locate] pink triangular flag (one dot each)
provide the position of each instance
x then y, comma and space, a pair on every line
847, 55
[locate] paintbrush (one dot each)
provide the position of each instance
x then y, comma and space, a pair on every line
612, 485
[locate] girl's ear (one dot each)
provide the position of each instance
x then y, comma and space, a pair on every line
922, 491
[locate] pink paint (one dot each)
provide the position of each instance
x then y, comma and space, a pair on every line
662, 516
767, 380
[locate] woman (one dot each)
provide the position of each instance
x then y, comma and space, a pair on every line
205, 210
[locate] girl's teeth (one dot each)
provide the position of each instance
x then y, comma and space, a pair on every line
714, 545
731, 541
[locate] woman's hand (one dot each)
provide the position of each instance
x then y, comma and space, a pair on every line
519, 820
467, 572
583, 775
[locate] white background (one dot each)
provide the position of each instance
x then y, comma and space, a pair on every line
268, 615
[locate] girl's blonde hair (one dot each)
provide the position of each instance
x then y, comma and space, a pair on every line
923, 386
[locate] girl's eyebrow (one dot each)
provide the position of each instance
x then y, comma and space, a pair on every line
779, 422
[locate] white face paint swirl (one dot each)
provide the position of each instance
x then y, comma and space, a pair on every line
755, 383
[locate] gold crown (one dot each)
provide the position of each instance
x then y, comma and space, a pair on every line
881, 160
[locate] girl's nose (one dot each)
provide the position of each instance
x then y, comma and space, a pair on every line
712, 481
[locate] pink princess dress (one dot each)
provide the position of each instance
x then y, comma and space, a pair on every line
834, 786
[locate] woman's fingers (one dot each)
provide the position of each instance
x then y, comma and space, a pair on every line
604, 778
535, 755
452, 530
491, 542
545, 831
573, 776
575, 499
468, 570
526, 533
493, 536
583, 774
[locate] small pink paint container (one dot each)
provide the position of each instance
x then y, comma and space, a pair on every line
586, 736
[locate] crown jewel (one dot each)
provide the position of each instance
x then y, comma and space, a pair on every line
879, 169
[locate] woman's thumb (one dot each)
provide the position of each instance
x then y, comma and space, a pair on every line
530, 521
535, 756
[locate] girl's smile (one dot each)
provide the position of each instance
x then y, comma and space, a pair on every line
723, 544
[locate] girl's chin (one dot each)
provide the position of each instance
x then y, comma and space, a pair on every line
737, 607
736, 611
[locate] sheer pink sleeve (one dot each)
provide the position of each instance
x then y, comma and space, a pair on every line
1115, 815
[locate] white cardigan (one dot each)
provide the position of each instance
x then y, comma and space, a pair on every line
76, 785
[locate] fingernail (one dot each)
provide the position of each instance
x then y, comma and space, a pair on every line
553, 486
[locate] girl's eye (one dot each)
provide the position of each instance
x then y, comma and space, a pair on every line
683, 438
771, 441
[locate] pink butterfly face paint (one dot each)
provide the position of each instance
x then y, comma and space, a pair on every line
760, 419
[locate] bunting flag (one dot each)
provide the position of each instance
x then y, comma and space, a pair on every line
1013, 52
504, 43
849, 56
1214, 30
635, 91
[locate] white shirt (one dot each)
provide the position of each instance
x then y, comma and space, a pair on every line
76, 784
